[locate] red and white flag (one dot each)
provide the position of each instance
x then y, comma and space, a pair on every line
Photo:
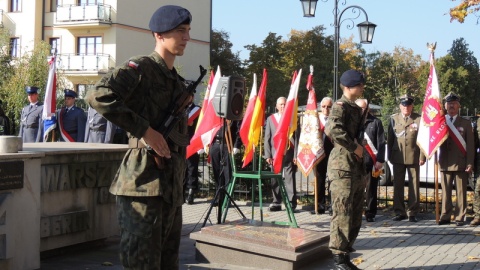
50, 103
255, 120
287, 124
209, 124
433, 129
310, 145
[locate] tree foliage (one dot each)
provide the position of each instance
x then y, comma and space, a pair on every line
221, 54
465, 8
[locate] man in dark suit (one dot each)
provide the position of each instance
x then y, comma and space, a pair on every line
405, 156
71, 119
31, 123
288, 160
456, 159
321, 168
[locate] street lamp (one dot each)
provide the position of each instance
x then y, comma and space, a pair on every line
366, 30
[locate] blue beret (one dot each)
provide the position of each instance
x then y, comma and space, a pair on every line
70, 93
31, 89
406, 100
451, 97
352, 78
168, 17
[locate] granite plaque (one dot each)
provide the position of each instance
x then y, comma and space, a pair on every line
11, 175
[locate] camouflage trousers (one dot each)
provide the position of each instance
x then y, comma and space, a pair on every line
476, 199
347, 190
150, 233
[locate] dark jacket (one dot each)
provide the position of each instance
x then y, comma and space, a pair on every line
375, 132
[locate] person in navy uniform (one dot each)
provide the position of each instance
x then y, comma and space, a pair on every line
98, 129
71, 119
31, 123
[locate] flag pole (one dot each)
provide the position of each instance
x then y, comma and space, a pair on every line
435, 176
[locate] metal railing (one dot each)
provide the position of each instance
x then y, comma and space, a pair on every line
100, 12
82, 62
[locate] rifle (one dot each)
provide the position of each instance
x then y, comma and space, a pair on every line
177, 109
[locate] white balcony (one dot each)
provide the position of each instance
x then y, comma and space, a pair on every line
83, 15
80, 63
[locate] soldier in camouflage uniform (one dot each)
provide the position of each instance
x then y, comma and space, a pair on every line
476, 199
346, 169
148, 184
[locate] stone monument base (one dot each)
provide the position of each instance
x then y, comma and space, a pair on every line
259, 244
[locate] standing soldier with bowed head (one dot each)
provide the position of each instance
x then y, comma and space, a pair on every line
346, 169
406, 157
149, 183
456, 161
31, 123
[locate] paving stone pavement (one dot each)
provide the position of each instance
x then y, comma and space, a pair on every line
383, 244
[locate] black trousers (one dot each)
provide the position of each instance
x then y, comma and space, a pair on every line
321, 176
221, 165
371, 195
191, 173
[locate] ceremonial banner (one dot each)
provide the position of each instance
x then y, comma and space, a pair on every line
433, 129
310, 145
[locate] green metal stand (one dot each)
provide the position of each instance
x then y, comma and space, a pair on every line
259, 175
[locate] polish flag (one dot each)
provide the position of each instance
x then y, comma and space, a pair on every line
433, 130
209, 124
287, 124
50, 103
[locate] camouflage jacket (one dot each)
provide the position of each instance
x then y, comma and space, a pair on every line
343, 127
136, 96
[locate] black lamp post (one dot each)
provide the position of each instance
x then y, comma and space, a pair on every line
366, 30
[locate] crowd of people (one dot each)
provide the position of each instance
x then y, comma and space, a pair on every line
155, 179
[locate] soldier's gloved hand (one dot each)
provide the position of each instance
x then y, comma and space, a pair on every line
201, 151
236, 151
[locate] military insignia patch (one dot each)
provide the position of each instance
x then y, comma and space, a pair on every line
132, 64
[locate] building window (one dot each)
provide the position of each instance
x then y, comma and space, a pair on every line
53, 5
15, 5
54, 43
87, 2
15, 47
89, 45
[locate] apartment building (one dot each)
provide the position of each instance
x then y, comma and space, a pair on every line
93, 36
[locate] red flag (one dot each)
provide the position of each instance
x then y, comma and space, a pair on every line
433, 130
205, 99
310, 145
257, 121
208, 125
287, 124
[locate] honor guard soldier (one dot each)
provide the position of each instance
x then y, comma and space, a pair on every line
98, 129
456, 159
31, 123
136, 97
346, 168
71, 119
405, 156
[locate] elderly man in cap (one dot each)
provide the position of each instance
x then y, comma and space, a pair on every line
149, 183
406, 157
346, 169
31, 123
71, 119
456, 159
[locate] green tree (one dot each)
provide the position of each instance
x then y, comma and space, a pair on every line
221, 55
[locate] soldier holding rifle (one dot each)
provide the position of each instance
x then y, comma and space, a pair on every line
137, 97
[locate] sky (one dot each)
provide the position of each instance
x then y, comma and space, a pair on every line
409, 23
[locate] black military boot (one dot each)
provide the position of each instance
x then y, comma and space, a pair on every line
342, 262
189, 199
349, 263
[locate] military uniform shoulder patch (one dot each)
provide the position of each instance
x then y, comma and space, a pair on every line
339, 103
133, 64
